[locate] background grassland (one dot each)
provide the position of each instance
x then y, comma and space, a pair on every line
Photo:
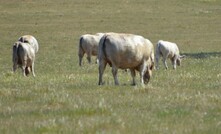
64, 98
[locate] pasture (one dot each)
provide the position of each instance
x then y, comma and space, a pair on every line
66, 98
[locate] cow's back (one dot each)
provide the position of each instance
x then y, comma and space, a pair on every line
31, 40
26, 52
90, 42
169, 48
126, 50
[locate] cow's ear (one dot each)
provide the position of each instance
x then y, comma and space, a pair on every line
20, 39
182, 56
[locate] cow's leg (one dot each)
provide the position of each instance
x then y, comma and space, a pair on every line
114, 72
89, 57
143, 69
80, 55
80, 61
102, 66
165, 62
157, 61
23, 66
147, 76
14, 67
173, 60
27, 71
133, 74
23, 70
32, 69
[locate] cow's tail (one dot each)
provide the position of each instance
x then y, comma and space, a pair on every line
15, 53
17, 50
20, 51
158, 53
157, 47
81, 50
80, 42
102, 48
158, 50
15, 56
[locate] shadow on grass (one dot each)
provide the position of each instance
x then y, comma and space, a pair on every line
202, 55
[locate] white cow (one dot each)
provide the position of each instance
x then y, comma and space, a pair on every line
88, 44
126, 51
168, 50
31, 40
24, 57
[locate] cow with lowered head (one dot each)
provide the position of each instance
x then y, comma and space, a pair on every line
126, 51
168, 50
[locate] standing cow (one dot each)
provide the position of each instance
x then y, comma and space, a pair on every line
24, 57
126, 51
31, 40
88, 44
168, 50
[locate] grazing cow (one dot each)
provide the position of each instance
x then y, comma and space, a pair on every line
126, 51
168, 50
31, 40
88, 44
24, 57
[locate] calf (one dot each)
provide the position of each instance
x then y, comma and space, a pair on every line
168, 50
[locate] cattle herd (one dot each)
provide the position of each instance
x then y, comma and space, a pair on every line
118, 50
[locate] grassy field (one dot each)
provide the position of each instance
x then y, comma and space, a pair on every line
65, 98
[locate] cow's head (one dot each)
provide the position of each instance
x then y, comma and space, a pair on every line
148, 73
27, 71
179, 59
147, 76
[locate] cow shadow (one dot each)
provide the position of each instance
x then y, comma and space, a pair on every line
202, 55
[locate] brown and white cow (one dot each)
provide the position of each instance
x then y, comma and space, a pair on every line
126, 51
31, 40
88, 44
24, 57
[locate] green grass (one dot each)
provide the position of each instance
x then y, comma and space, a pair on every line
65, 98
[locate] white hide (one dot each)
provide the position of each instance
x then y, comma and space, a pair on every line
168, 50
126, 51
31, 40
24, 57
88, 44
